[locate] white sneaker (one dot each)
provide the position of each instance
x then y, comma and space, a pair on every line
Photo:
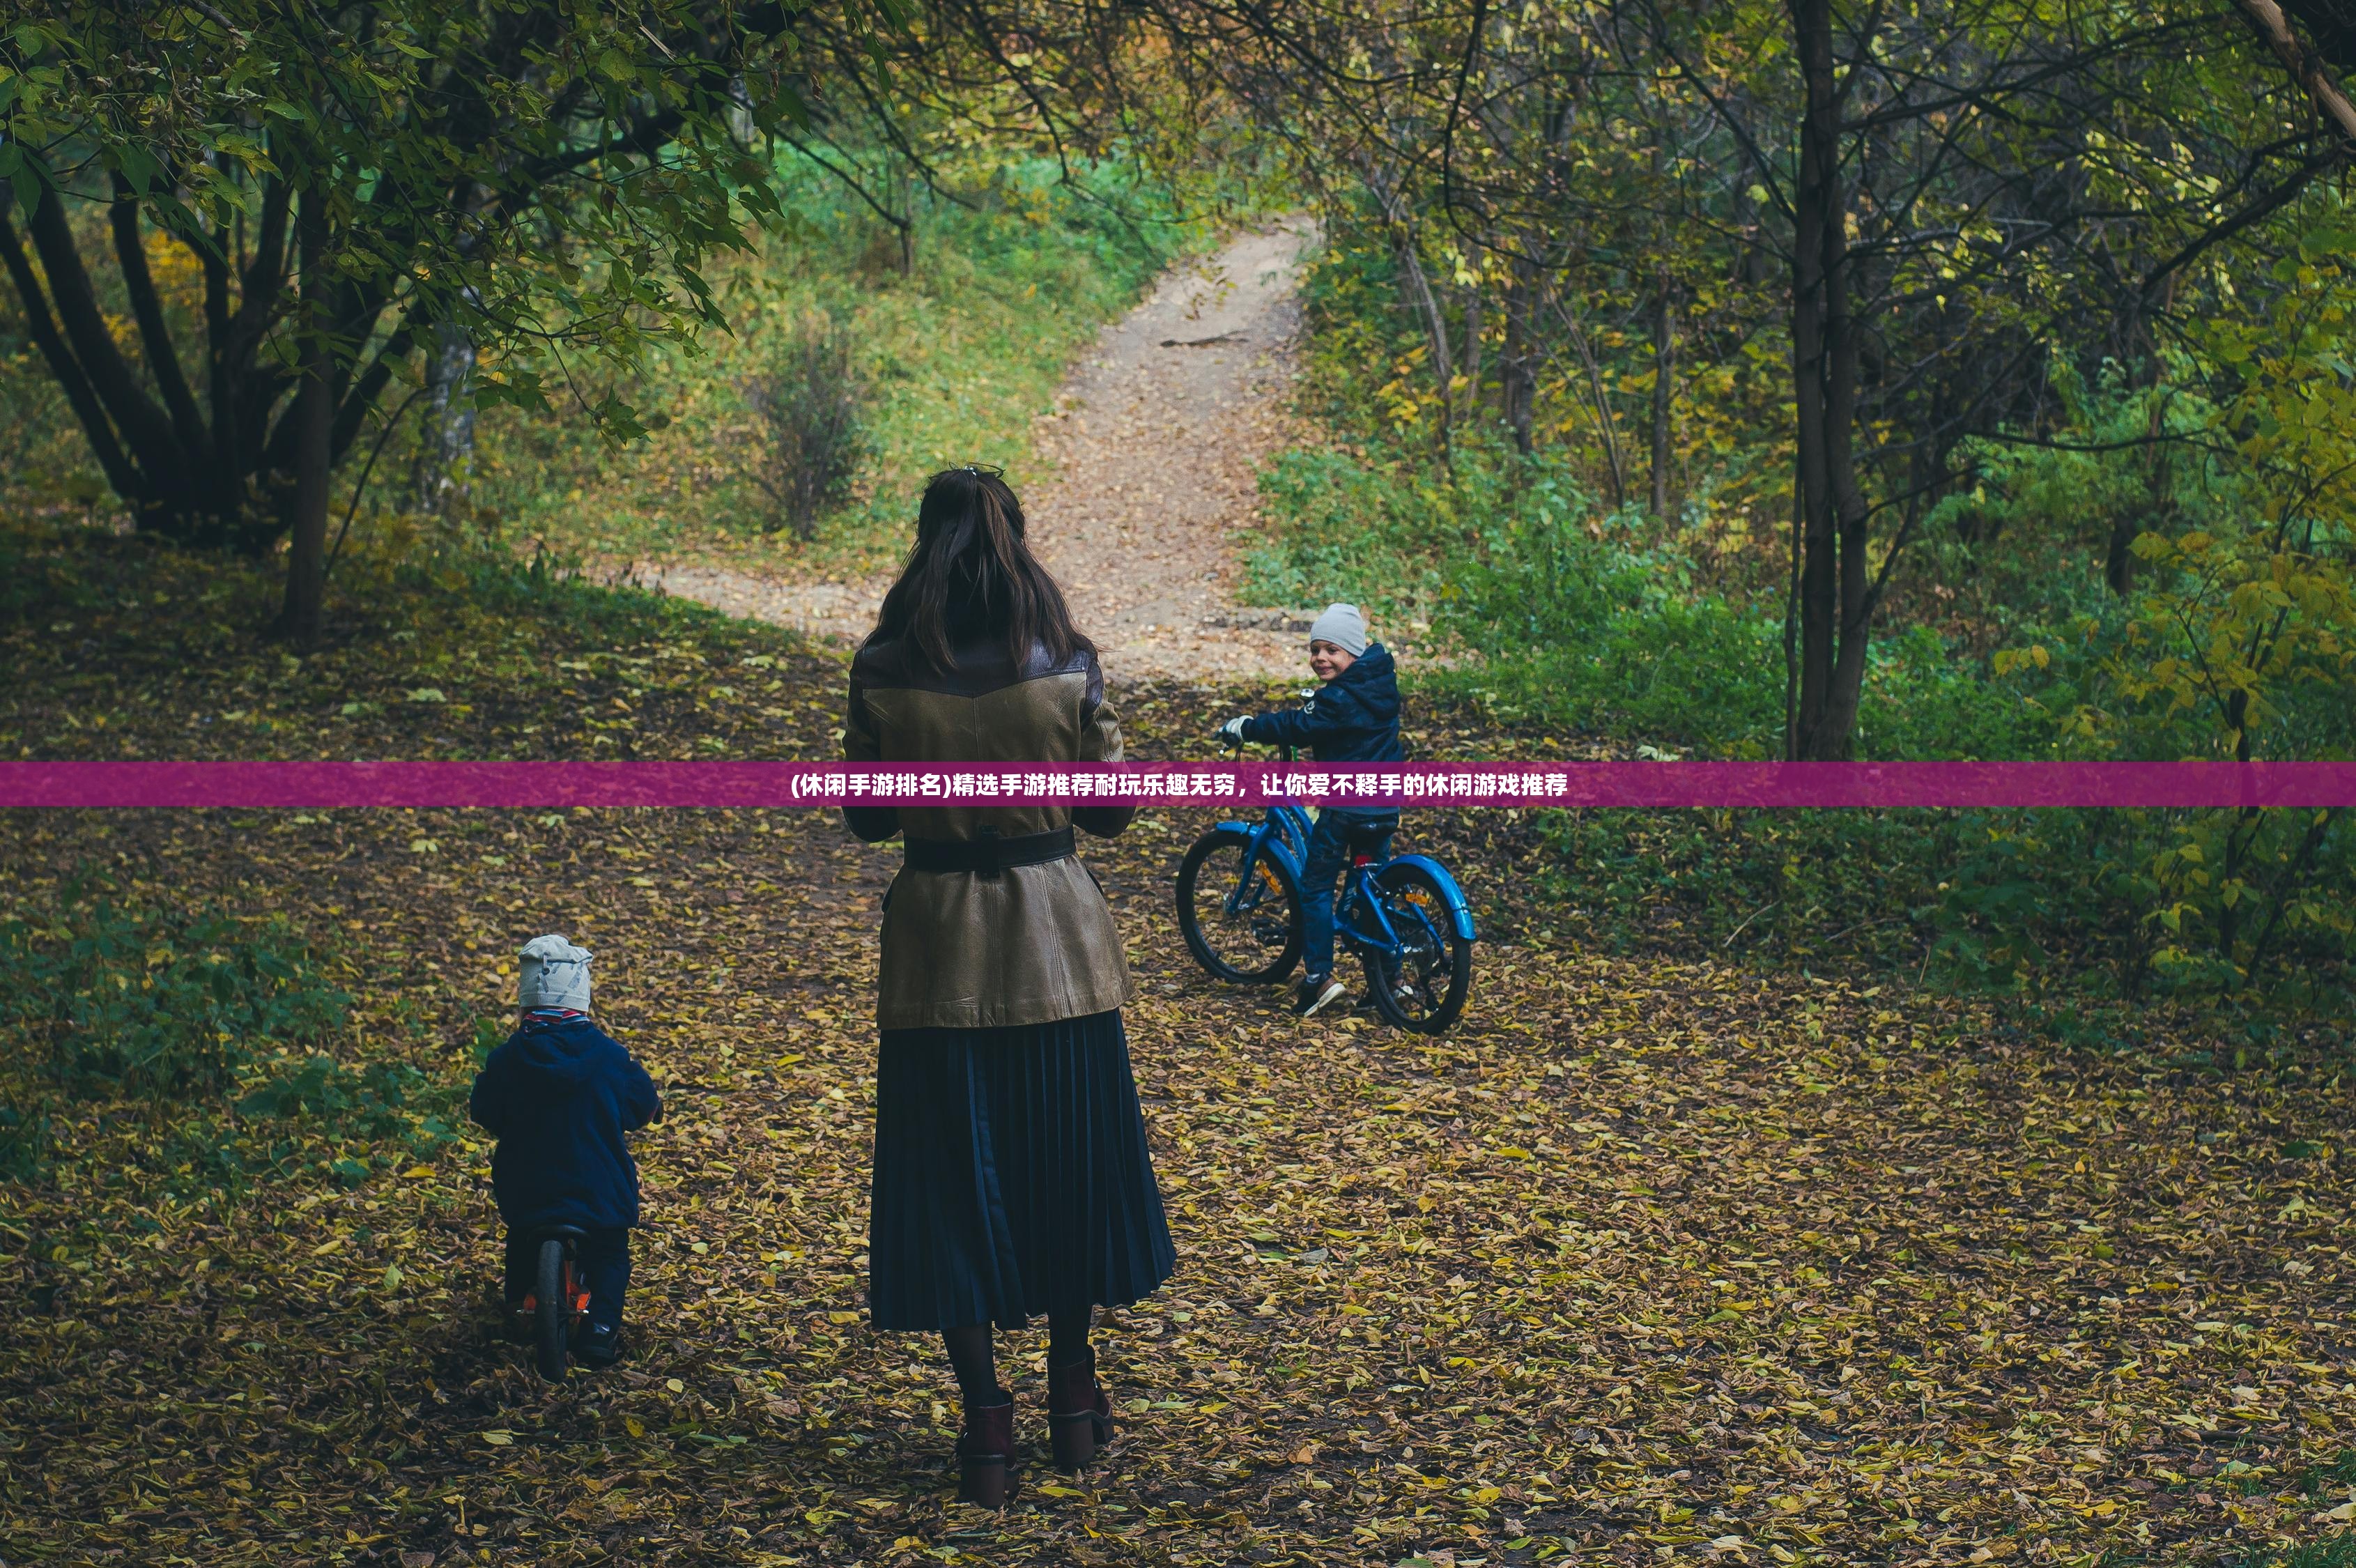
1316, 993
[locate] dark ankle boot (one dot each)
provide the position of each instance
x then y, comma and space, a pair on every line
986, 1453
1079, 1416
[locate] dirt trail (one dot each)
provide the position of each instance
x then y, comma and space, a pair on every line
1154, 443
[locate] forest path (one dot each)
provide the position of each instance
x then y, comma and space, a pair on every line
1152, 447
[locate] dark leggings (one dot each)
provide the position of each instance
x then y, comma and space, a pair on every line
974, 1355
603, 1258
1332, 842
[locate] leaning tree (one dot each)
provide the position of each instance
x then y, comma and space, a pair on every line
347, 181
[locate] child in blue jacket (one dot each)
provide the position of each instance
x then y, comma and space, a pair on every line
561, 1096
1353, 717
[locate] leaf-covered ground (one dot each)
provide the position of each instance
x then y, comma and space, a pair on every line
1650, 1260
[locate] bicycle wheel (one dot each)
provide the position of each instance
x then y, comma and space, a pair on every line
1255, 940
552, 1314
1423, 986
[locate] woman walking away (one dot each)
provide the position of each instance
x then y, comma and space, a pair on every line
1012, 1176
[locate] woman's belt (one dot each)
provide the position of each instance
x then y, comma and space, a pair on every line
989, 854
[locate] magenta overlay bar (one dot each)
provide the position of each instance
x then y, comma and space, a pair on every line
1791, 785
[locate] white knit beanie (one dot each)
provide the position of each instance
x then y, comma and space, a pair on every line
553, 973
1341, 625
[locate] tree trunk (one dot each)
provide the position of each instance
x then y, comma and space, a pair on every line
160, 491
1517, 384
120, 471
1663, 350
1435, 330
155, 332
1607, 422
449, 446
2118, 558
307, 555
1473, 329
906, 207
213, 473
2306, 67
315, 417
1834, 593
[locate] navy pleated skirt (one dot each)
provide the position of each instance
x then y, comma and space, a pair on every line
1011, 1176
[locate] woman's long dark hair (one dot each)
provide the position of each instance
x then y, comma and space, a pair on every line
971, 573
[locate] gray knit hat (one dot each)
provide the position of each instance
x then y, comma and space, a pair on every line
553, 973
1341, 625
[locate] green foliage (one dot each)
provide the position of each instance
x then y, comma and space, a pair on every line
200, 110
2024, 546
322, 1087
1581, 624
48, 461
549, 186
155, 1003
2239, 642
1010, 277
2218, 497
375, 1104
1582, 619
489, 1035
2234, 644
2244, 645
1582, 616
208, 1029
1342, 528
2334, 1551
809, 437
1368, 374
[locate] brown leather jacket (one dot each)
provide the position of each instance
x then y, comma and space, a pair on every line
1031, 944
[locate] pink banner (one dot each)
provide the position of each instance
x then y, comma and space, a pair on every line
1789, 785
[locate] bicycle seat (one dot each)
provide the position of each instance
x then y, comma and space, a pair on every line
564, 1232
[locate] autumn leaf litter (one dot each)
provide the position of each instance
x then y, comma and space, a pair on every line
1649, 1261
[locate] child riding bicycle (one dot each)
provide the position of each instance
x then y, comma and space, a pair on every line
1353, 717
561, 1096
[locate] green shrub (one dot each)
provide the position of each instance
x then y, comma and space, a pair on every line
206, 1031
2239, 642
2042, 905
325, 1089
156, 1003
373, 1104
808, 433
1579, 624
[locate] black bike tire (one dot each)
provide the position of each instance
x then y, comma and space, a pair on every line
1459, 964
553, 1318
1190, 871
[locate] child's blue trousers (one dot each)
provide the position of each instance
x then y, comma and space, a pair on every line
1331, 841
603, 1258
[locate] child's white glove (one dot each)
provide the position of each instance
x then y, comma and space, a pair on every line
1232, 732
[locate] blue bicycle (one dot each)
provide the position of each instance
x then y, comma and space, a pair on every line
1239, 911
